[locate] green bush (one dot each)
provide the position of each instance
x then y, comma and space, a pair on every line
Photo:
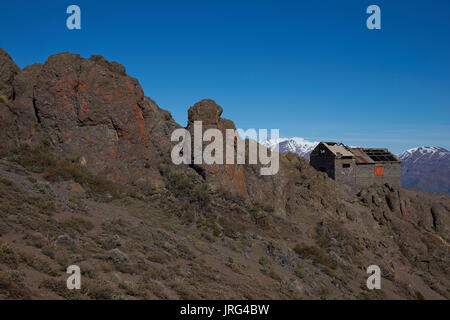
419, 295
183, 187
300, 272
274, 275
263, 261
268, 268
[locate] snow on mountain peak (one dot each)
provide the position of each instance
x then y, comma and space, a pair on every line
419, 153
296, 145
426, 168
303, 148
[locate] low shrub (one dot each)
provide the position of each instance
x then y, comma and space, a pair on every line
263, 261
12, 287
77, 224
183, 187
300, 272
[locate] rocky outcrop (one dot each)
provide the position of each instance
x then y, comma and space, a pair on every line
282, 193
390, 206
8, 70
229, 178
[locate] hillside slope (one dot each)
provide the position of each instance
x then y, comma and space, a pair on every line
86, 178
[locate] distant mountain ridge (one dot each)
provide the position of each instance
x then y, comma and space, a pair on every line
422, 153
297, 145
427, 169
424, 168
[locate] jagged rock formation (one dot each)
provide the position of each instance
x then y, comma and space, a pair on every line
86, 120
279, 191
228, 177
91, 110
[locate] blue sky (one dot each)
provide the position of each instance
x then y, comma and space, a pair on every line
310, 68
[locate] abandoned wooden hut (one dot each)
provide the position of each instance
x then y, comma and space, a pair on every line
357, 167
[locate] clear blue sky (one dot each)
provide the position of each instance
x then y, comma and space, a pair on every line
310, 68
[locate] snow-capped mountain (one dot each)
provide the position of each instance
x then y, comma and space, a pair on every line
296, 145
425, 154
426, 168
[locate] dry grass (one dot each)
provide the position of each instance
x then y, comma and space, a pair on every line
169, 258
41, 160
77, 224
316, 254
183, 188
12, 257
12, 286
3, 99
